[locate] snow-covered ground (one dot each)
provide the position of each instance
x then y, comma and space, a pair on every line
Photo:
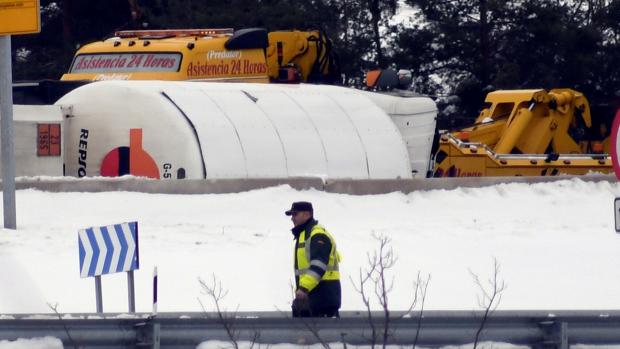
32, 343
555, 243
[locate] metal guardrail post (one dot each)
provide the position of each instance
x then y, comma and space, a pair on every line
148, 334
156, 330
555, 334
563, 335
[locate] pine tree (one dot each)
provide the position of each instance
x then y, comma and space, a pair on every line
477, 46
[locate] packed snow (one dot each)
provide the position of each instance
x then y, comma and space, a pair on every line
32, 343
555, 243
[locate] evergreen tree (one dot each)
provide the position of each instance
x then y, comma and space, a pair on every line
477, 46
65, 25
361, 34
458, 50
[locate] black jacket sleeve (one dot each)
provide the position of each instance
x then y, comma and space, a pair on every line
320, 246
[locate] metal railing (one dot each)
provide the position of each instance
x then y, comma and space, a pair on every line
464, 144
438, 328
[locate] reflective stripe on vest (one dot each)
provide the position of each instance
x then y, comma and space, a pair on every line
301, 271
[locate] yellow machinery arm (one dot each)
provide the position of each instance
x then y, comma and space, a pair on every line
525, 125
310, 52
531, 121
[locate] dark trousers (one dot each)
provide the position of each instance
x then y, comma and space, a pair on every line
323, 301
303, 309
327, 312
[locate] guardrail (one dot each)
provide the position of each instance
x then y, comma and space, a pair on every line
218, 186
537, 329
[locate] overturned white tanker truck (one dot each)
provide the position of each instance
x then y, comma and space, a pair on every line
203, 130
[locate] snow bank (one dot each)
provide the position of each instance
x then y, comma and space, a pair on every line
32, 343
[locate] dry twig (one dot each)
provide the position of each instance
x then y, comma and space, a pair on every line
489, 296
54, 308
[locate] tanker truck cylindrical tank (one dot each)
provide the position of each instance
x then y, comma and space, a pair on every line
176, 130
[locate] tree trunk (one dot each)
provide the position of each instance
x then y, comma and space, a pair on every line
485, 50
375, 13
67, 15
135, 14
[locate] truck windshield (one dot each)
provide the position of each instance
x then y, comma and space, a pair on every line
126, 62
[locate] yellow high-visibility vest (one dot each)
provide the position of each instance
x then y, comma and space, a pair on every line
308, 278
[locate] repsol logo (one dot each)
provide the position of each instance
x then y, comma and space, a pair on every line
82, 152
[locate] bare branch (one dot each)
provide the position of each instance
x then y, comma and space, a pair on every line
363, 279
311, 326
216, 292
489, 297
54, 308
416, 287
386, 261
379, 262
255, 338
423, 291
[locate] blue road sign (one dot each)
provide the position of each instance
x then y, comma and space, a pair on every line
109, 249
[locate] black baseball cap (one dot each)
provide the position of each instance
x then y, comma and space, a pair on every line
300, 206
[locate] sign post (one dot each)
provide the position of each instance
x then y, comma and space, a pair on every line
617, 214
615, 159
6, 133
106, 250
130, 292
615, 144
16, 17
156, 325
154, 313
98, 294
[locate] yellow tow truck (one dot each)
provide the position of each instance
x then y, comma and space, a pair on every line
222, 54
527, 133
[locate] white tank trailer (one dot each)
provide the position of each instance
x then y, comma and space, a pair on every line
203, 130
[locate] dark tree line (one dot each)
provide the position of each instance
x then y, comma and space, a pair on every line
484, 45
457, 50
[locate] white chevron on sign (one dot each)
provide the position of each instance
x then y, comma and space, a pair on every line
108, 249
89, 253
102, 250
131, 246
116, 245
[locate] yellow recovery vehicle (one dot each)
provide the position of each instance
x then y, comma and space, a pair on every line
248, 55
526, 133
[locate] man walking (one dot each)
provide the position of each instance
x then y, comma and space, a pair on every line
317, 278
